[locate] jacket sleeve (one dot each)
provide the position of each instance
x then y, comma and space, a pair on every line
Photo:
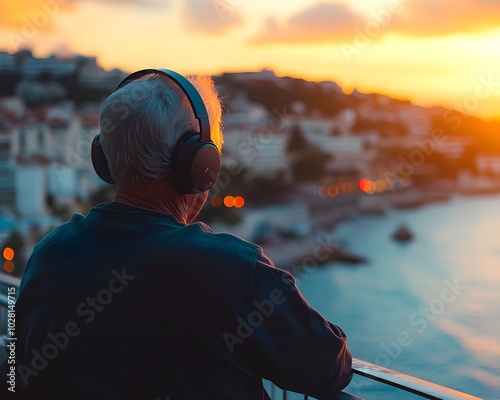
290, 343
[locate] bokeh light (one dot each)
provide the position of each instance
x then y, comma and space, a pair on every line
8, 253
365, 185
216, 201
229, 201
239, 202
333, 190
8, 266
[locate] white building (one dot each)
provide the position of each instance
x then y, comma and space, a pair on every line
349, 152
29, 140
261, 152
244, 113
417, 119
488, 164
453, 146
31, 190
7, 174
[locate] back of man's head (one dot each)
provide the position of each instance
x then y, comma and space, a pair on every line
142, 122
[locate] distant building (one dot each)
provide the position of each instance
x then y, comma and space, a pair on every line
91, 75
7, 62
453, 146
7, 174
264, 74
31, 189
254, 140
244, 113
260, 152
52, 66
349, 152
417, 119
488, 164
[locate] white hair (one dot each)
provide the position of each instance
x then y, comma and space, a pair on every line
142, 122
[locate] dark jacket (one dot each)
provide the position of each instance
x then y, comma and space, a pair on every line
128, 303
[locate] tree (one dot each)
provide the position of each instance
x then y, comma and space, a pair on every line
297, 142
310, 165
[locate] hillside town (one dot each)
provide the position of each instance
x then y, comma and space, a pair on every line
298, 156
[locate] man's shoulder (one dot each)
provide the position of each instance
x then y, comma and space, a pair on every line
224, 243
61, 231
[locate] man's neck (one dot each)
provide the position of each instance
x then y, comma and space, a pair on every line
157, 196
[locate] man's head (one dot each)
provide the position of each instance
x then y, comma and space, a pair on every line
142, 122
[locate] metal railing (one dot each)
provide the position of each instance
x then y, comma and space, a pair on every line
407, 383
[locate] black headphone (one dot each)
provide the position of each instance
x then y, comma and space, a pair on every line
196, 159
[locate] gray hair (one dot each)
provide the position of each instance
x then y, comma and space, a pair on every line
142, 122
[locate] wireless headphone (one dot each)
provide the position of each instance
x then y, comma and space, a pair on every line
196, 159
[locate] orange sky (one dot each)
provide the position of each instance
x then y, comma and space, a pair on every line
433, 52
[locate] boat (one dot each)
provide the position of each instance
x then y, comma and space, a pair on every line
403, 234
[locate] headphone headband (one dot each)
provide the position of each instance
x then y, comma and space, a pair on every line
197, 104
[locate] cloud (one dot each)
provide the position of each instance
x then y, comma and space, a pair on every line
139, 3
323, 22
211, 16
19, 14
444, 17
40, 15
334, 22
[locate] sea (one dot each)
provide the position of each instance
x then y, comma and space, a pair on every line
429, 307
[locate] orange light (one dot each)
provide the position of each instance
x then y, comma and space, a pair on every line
365, 185
216, 201
8, 253
333, 190
229, 201
379, 185
239, 202
8, 266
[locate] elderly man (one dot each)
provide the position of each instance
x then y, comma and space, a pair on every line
134, 301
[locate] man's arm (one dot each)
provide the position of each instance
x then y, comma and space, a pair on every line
291, 344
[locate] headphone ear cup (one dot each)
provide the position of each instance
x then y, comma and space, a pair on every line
195, 165
99, 161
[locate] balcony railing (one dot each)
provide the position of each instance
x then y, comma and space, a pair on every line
407, 383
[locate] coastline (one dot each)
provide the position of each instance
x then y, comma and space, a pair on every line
294, 254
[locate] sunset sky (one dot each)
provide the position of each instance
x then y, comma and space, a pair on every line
433, 52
